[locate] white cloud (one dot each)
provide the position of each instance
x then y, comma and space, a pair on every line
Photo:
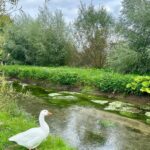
108, 8
69, 7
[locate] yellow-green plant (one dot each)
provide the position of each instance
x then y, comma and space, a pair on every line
140, 84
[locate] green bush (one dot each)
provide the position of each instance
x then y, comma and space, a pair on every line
140, 84
120, 58
106, 81
113, 83
34, 41
66, 78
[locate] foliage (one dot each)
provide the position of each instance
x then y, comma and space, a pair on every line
7, 6
140, 84
113, 83
66, 78
106, 81
122, 59
14, 120
135, 24
92, 29
5, 20
41, 41
47, 40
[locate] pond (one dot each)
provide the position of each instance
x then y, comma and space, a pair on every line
90, 122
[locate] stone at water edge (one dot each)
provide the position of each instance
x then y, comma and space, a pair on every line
145, 107
128, 114
147, 114
66, 97
130, 110
23, 85
111, 108
101, 102
54, 94
116, 105
122, 107
119, 104
148, 121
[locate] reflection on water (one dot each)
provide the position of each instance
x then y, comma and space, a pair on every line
80, 127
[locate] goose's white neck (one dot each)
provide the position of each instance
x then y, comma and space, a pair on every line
43, 123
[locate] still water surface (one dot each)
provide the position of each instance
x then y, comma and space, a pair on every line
81, 128
90, 128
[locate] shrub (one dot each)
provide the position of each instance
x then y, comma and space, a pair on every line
34, 41
67, 78
120, 58
113, 83
106, 81
140, 85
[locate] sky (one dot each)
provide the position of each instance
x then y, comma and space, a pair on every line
69, 7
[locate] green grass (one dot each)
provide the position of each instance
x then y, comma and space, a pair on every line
11, 125
106, 81
14, 120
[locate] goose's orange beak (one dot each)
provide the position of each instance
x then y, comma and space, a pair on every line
49, 113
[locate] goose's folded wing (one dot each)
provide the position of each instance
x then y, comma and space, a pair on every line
33, 143
27, 136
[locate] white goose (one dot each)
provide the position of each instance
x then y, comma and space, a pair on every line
33, 137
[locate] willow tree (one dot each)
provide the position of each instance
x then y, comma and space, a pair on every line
7, 6
135, 23
92, 30
38, 41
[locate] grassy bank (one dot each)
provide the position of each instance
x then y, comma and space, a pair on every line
14, 120
106, 81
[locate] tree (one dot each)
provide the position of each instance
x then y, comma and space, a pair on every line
135, 22
92, 29
4, 21
38, 41
121, 58
55, 38
6, 6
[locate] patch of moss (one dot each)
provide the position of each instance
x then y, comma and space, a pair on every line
61, 103
145, 107
128, 114
148, 121
107, 124
95, 137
